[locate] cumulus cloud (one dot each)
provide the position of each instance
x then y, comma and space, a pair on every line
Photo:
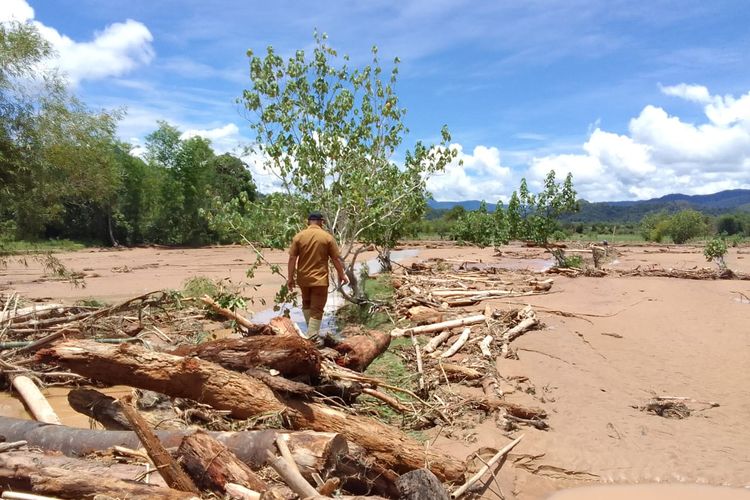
114, 51
661, 153
480, 176
223, 139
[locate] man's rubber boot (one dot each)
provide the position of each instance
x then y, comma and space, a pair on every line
313, 330
306, 314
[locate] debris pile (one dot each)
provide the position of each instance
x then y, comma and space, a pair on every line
263, 413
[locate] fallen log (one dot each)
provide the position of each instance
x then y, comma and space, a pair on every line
476, 477
528, 321
461, 372
11, 460
281, 384
102, 408
170, 470
436, 327
87, 480
212, 465
358, 351
291, 355
244, 397
237, 318
35, 400
289, 473
435, 342
313, 451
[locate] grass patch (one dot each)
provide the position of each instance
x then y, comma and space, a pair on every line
12, 247
378, 288
198, 286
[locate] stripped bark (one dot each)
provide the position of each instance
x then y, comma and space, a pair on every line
291, 355
458, 344
35, 400
358, 351
436, 327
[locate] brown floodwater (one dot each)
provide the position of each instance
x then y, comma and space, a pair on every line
652, 492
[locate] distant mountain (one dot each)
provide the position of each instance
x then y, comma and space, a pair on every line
632, 211
467, 204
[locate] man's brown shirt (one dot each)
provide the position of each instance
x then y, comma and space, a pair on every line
313, 246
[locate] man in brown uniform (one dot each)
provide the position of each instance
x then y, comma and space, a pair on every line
308, 256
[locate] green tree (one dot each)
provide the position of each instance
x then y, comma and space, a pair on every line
330, 132
685, 225
655, 226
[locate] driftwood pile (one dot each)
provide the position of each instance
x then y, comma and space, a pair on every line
266, 414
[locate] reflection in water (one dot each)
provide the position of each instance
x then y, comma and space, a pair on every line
335, 299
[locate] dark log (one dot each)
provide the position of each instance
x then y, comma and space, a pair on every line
170, 470
359, 351
281, 384
212, 465
421, 484
102, 408
312, 451
244, 397
290, 355
365, 478
86, 481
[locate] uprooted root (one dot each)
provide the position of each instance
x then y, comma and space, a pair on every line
666, 409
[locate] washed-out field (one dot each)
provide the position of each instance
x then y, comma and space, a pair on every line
605, 347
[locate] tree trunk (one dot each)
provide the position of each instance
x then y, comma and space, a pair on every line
212, 465
312, 451
421, 484
169, 469
102, 408
283, 326
243, 396
78, 483
358, 351
291, 355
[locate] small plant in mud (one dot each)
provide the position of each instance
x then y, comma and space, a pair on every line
715, 251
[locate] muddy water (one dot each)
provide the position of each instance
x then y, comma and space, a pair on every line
11, 406
652, 492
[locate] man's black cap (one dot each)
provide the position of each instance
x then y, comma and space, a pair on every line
315, 216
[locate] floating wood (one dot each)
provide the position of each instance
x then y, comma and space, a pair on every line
291, 355
102, 408
35, 400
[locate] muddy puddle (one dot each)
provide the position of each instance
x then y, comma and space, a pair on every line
335, 299
10, 406
652, 492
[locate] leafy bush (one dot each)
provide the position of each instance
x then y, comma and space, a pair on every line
686, 225
715, 251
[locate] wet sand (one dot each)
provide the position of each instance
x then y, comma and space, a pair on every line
644, 336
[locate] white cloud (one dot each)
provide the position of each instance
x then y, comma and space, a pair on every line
662, 154
115, 51
15, 10
481, 176
223, 139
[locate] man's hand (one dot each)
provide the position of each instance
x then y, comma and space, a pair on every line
343, 279
290, 284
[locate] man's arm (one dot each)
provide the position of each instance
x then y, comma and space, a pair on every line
343, 279
291, 269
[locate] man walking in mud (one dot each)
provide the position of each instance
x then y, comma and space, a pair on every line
308, 258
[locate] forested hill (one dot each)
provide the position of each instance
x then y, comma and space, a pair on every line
632, 211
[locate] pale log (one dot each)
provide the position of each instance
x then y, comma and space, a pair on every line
212, 465
358, 351
173, 475
458, 344
436, 327
485, 346
435, 341
476, 477
238, 318
35, 400
461, 372
244, 397
291, 355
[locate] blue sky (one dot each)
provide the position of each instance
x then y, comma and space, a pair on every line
636, 98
